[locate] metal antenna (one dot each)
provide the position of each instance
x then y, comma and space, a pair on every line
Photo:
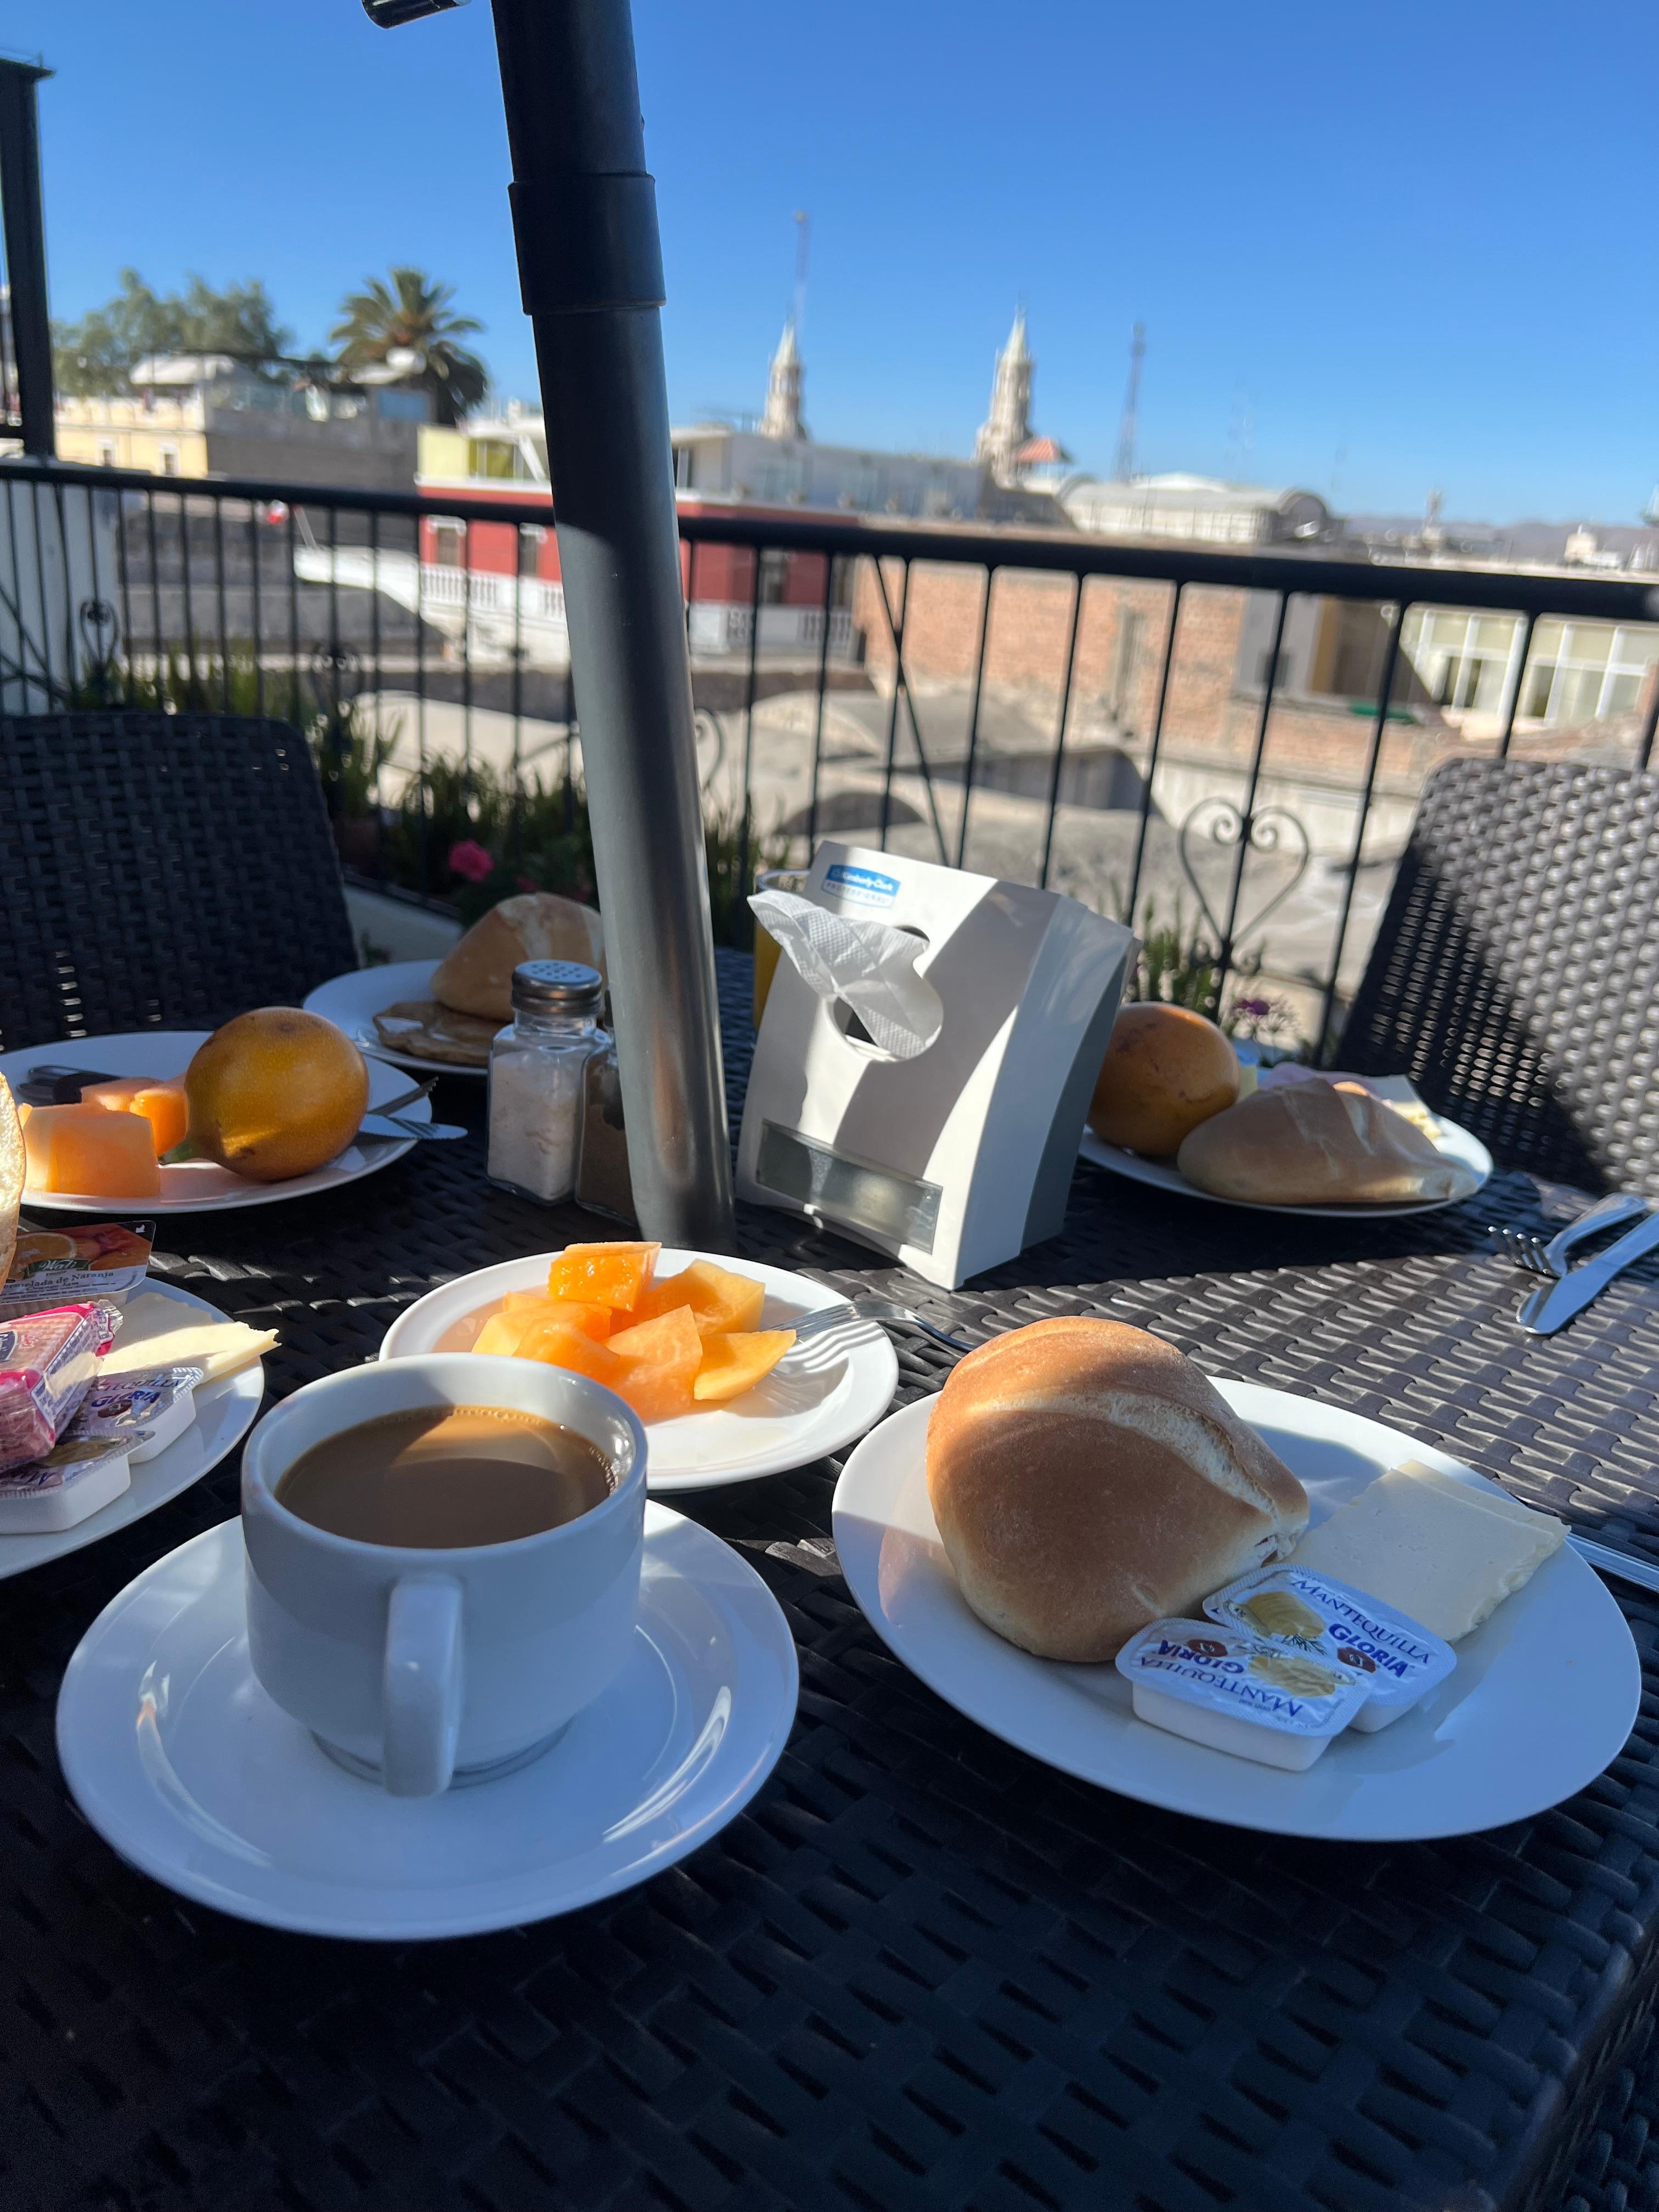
1125, 467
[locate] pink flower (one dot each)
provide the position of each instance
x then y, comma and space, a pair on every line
468, 858
527, 883
1254, 1008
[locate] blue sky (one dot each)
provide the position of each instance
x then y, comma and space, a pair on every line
1377, 248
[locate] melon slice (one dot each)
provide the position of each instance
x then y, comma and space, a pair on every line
84, 1148
534, 1305
734, 1363
731, 1301
558, 1345
659, 1362
605, 1274
160, 1100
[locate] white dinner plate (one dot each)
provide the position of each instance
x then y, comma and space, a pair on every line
224, 1414
197, 1186
1456, 1142
1543, 1696
352, 1001
187, 1768
821, 1395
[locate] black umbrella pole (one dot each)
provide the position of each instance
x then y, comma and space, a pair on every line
591, 267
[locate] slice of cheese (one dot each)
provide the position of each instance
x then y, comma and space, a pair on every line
1494, 1499
1435, 1550
162, 1332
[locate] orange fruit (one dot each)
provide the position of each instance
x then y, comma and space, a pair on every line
276, 1093
1166, 1070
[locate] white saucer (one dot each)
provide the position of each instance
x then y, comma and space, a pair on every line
224, 1414
352, 1000
1544, 1694
822, 1394
184, 1765
198, 1186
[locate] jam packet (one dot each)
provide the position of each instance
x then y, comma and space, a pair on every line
1240, 1693
145, 1412
1301, 1610
59, 1267
78, 1477
47, 1362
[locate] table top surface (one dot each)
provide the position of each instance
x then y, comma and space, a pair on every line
921, 1970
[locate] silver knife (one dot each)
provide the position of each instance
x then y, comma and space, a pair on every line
1552, 1305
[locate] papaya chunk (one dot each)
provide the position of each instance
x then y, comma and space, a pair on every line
659, 1362
602, 1274
735, 1363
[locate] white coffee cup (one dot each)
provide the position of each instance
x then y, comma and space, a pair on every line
414, 1666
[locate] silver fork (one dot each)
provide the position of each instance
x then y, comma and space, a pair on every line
879, 1310
1536, 1257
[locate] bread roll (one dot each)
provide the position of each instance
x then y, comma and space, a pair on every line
11, 1176
1316, 1143
1166, 1070
1086, 1479
477, 976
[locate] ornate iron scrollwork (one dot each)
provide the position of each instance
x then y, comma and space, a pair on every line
1271, 830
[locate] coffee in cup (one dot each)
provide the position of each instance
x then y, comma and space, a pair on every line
443, 1561
434, 1477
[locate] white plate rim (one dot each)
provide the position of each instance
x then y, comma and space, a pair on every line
155, 1481
857, 1550
875, 1377
1164, 1175
414, 979
378, 1152
735, 1588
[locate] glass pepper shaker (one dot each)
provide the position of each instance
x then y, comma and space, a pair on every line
603, 1183
536, 1069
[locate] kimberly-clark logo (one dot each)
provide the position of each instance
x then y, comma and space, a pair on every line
862, 886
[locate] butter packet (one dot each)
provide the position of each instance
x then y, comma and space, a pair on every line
1240, 1693
144, 1412
65, 1267
1299, 1609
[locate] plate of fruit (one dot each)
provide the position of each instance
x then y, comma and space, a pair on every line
703, 1348
271, 1106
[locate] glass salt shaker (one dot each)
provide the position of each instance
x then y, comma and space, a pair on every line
536, 1070
603, 1182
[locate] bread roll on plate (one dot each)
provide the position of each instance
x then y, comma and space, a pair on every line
1086, 1479
1317, 1143
475, 976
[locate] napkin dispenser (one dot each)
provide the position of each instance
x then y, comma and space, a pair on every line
957, 1158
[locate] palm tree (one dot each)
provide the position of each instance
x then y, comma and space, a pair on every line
406, 325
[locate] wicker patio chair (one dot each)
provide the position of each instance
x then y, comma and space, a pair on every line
160, 870
1513, 975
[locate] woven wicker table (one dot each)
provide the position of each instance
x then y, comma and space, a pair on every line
921, 1970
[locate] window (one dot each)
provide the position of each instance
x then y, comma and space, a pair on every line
530, 549
682, 467
169, 460
774, 569
106, 452
449, 544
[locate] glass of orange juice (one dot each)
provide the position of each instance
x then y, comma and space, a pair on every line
766, 946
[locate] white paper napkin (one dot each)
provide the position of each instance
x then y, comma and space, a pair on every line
870, 967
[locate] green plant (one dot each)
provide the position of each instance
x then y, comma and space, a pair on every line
1177, 967
406, 327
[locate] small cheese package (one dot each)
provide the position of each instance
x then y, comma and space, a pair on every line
1298, 1610
47, 1362
144, 1412
77, 1478
1237, 1692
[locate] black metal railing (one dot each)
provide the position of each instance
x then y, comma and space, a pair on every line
1146, 727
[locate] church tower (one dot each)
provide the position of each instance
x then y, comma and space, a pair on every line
1008, 425
781, 418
